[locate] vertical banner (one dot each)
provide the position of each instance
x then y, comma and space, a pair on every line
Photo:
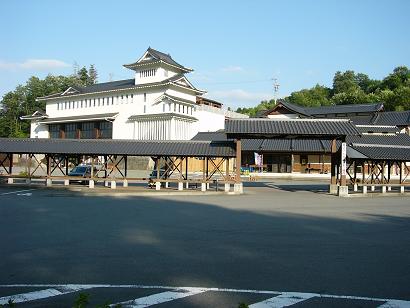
259, 161
343, 171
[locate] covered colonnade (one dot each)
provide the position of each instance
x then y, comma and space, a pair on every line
48, 160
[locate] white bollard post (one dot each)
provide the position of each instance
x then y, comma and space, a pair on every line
91, 184
227, 187
355, 187
49, 182
384, 189
364, 190
113, 185
388, 188
125, 183
10, 181
180, 186
157, 185
166, 184
203, 186
66, 182
372, 188
187, 185
402, 189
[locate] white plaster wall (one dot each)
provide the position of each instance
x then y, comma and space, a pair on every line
162, 73
178, 92
283, 116
38, 130
209, 121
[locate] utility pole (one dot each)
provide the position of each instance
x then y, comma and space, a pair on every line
275, 89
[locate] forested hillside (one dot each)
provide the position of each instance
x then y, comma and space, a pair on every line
351, 88
22, 101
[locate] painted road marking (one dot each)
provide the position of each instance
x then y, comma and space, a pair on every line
41, 294
159, 298
395, 304
68, 288
16, 192
284, 300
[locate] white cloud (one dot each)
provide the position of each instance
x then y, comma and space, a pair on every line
34, 64
232, 69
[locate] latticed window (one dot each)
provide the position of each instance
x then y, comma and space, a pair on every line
88, 130
105, 130
71, 131
54, 130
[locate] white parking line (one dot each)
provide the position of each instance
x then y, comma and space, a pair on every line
41, 294
159, 298
395, 304
284, 300
16, 192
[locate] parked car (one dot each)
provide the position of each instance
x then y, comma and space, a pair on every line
83, 171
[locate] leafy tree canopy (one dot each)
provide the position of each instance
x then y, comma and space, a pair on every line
22, 101
351, 88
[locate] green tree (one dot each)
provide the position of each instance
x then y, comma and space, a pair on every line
83, 75
314, 97
22, 101
93, 75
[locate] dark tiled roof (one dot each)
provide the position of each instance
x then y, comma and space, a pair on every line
354, 108
362, 120
394, 118
112, 86
374, 140
333, 109
118, 147
159, 56
88, 117
217, 136
273, 145
384, 152
378, 129
270, 128
396, 147
291, 107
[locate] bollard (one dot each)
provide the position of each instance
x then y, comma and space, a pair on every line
364, 190
66, 182
384, 189
125, 183
227, 187
49, 182
203, 186
180, 186
10, 181
372, 188
402, 189
157, 185
91, 184
355, 187
113, 185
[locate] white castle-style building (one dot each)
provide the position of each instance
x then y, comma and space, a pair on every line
159, 103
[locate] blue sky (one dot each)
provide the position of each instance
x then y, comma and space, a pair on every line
235, 47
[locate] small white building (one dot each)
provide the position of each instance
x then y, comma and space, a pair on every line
159, 103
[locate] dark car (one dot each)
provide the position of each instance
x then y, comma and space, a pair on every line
83, 171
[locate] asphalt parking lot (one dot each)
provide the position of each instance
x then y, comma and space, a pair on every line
280, 236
